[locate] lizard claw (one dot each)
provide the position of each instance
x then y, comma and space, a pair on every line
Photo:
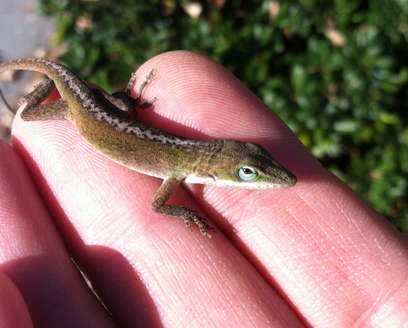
201, 222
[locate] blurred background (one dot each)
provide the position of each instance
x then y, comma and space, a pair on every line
335, 71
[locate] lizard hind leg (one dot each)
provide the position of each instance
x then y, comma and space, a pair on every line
35, 111
137, 102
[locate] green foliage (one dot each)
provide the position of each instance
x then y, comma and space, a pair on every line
335, 71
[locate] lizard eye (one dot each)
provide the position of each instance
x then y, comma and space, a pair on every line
247, 174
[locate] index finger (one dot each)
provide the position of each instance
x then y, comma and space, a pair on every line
318, 235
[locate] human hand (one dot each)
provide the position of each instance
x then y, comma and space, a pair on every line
314, 254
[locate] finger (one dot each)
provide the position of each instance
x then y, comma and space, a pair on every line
318, 235
35, 259
13, 309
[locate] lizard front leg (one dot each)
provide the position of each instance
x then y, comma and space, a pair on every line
164, 193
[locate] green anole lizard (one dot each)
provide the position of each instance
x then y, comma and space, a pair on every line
97, 116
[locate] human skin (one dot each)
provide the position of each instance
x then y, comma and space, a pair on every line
312, 255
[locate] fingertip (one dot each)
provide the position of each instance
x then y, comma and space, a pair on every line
13, 309
201, 94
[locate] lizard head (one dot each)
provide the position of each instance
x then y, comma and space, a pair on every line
247, 166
